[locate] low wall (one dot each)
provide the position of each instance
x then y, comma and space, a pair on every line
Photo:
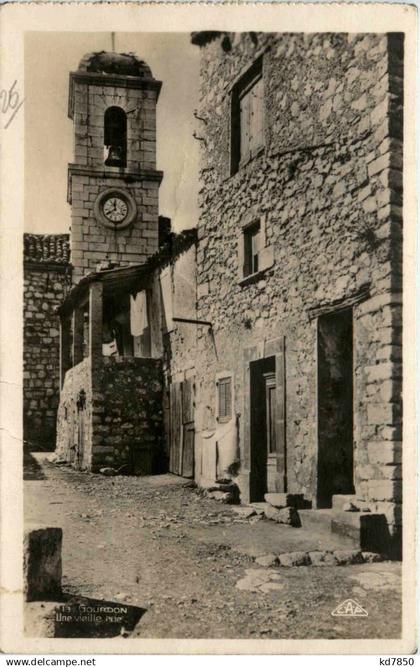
114, 421
128, 415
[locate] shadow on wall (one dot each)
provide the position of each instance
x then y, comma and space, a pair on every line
39, 437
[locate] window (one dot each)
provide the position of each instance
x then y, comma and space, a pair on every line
252, 246
115, 137
247, 116
224, 387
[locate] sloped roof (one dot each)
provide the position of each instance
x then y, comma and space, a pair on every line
126, 278
46, 248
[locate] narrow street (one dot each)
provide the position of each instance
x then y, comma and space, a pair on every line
188, 561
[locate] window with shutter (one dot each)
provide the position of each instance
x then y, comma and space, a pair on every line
252, 246
225, 399
247, 123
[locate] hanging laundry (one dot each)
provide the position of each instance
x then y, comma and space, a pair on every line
138, 313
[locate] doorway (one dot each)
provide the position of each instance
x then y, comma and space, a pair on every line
268, 473
335, 406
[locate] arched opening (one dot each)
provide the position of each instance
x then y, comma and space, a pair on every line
115, 137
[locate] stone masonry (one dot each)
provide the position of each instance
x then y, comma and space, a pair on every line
327, 190
47, 278
91, 93
118, 422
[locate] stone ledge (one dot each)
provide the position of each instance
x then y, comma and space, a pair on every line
318, 558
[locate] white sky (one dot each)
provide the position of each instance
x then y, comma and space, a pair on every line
49, 57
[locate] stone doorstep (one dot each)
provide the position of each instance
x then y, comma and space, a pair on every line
339, 502
364, 530
281, 500
367, 530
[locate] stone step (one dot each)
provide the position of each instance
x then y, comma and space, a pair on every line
260, 507
280, 500
367, 531
339, 502
319, 519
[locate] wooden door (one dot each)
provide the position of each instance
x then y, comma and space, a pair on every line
270, 430
182, 431
267, 426
187, 428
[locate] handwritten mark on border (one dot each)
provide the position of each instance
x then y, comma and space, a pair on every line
10, 101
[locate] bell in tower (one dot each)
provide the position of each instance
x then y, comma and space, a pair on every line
115, 137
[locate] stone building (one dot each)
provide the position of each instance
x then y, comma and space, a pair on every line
264, 347
299, 267
47, 278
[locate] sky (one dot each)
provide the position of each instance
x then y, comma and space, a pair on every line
49, 57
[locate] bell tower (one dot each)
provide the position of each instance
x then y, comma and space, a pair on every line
113, 184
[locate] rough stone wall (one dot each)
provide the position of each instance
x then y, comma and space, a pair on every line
130, 417
181, 341
122, 414
92, 242
44, 289
327, 190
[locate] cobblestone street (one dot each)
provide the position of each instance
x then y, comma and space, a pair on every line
189, 561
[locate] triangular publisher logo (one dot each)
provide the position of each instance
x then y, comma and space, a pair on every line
349, 608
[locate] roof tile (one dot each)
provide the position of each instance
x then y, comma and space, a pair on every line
46, 248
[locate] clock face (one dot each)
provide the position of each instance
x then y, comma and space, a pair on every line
115, 209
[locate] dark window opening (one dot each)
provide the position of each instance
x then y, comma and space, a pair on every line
116, 338
126, 325
224, 387
252, 242
247, 120
335, 406
115, 137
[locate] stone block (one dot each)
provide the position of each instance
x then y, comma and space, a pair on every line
382, 413
42, 566
266, 258
340, 501
386, 452
378, 165
287, 515
322, 558
350, 557
371, 557
225, 497
383, 371
268, 560
281, 500
392, 512
245, 512
260, 508
294, 559
385, 489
